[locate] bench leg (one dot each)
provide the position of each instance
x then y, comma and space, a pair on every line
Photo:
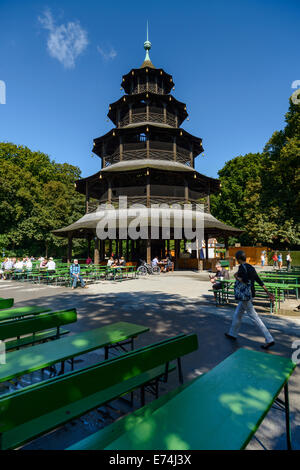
180, 375
287, 417
105, 352
142, 395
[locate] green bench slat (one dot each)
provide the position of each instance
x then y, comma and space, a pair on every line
38, 426
104, 437
25, 341
220, 411
75, 390
44, 321
14, 313
44, 355
6, 303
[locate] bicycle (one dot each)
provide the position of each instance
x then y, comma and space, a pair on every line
146, 268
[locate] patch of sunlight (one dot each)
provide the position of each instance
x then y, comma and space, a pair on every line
115, 335
175, 442
262, 395
27, 360
251, 399
134, 371
144, 431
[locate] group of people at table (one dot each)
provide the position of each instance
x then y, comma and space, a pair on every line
17, 265
165, 265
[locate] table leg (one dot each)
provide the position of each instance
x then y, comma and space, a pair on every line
287, 417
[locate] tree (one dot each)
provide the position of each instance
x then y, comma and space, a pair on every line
37, 195
260, 193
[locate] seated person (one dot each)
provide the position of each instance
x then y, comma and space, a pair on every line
7, 267
122, 261
51, 266
75, 275
43, 263
110, 262
28, 264
89, 260
155, 261
18, 266
169, 264
116, 263
221, 273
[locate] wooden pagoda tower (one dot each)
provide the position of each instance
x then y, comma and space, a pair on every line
147, 157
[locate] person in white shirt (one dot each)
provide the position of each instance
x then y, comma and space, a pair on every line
155, 261
18, 266
110, 262
51, 265
288, 261
28, 264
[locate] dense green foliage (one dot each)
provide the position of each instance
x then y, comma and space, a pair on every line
37, 195
260, 192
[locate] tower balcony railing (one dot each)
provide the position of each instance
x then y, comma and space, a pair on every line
152, 87
152, 117
169, 200
182, 155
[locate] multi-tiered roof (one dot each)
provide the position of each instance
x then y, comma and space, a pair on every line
147, 156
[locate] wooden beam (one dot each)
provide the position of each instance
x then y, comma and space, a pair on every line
96, 251
149, 250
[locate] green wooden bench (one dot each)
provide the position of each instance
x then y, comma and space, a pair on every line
21, 312
6, 303
63, 398
33, 330
220, 410
44, 355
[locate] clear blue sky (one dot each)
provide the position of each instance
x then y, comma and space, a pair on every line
233, 63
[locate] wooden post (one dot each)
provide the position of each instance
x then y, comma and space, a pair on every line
206, 246
226, 247
147, 146
130, 113
149, 250
109, 192
121, 148
186, 191
69, 254
165, 113
96, 251
191, 156
174, 149
87, 197
148, 194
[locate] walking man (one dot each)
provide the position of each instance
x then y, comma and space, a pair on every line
247, 273
75, 274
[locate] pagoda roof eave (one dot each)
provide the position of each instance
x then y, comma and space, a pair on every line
138, 96
160, 165
143, 127
144, 70
88, 223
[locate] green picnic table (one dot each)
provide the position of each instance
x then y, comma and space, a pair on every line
6, 303
18, 313
220, 410
274, 287
44, 355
